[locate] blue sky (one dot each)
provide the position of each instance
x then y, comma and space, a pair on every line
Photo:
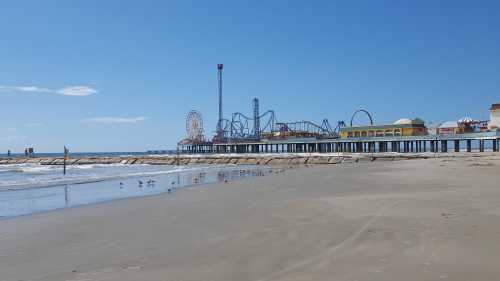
122, 75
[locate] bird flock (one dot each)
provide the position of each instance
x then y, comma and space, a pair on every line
196, 180
149, 183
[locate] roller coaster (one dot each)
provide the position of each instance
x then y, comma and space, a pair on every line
241, 125
242, 128
307, 129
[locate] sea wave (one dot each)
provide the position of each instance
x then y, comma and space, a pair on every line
37, 168
32, 176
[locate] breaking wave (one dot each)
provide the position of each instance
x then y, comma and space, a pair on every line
23, 176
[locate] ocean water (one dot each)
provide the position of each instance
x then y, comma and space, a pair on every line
19, 176
90, 154
31, 188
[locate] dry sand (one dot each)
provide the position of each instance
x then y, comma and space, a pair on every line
434, 219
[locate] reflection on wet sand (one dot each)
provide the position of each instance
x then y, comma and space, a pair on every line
28, 201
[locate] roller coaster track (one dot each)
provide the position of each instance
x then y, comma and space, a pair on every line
364, 111
306, 128
240, 126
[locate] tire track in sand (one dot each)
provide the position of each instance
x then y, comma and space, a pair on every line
333, 249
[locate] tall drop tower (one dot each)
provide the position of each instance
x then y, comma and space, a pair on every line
220, 128
256, 118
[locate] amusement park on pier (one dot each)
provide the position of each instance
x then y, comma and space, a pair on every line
263, 132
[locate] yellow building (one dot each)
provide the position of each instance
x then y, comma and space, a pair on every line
402, 127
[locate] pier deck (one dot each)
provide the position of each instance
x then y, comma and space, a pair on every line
403, 144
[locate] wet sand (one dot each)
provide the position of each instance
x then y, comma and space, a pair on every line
425, 219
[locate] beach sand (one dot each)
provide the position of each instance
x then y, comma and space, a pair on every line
432, 219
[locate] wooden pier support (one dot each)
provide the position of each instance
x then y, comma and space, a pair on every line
419, 144
444, 146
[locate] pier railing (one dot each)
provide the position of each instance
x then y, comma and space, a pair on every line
422, 143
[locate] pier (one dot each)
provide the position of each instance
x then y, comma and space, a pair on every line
471, 142
259, 133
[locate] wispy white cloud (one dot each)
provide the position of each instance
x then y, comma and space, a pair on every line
115, 120
80, 91
24, 89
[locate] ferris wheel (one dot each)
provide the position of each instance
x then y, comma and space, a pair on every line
194, 125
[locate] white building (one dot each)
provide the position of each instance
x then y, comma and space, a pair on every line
494, 123
432, 128
448, 128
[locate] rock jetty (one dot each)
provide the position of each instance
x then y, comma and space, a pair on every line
242, 159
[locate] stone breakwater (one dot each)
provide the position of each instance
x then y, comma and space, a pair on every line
242, 159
